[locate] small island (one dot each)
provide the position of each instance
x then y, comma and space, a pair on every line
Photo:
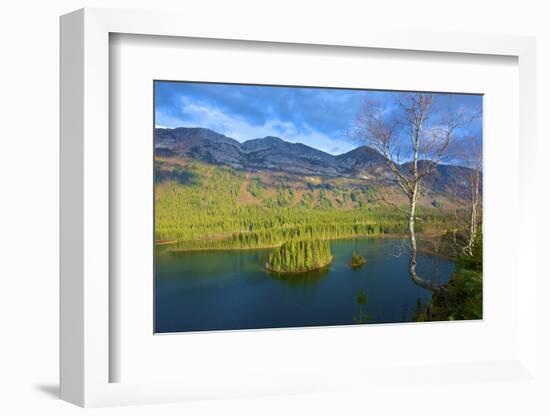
357, 260
299, 256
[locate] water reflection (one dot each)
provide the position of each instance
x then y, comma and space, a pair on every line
299, 279
361, 299
221, 290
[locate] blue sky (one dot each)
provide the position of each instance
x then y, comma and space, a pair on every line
319, 117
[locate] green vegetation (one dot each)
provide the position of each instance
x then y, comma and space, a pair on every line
462, 297
256, 188
475, 261
214, 207
357, 260
297, 256
362, 300
199, 206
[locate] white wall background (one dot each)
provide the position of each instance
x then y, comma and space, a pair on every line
29, 206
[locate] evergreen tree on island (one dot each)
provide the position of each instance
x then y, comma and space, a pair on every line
297, 256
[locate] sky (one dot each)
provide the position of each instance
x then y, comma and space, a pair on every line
322, 118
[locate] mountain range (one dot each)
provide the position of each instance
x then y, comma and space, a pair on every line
275, 154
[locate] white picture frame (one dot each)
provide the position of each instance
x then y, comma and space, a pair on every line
85, 210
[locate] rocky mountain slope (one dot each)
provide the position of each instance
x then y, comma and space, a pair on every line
275, 154
268, 153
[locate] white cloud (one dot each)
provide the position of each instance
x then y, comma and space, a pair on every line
195, 114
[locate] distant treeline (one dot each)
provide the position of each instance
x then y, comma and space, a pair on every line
201, 210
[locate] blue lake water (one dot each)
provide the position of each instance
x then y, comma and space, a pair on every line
227, 290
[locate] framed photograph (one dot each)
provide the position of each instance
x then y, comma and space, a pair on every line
271, 213
323, 212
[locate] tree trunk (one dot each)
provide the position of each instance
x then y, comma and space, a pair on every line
473, 213
473, 230
412, 242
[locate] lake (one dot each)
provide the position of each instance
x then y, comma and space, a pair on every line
227, 290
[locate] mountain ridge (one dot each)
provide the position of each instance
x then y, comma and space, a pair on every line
276, 154
270, 152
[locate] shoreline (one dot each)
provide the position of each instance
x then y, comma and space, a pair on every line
183, 250
352, 237
391, 236
165, 242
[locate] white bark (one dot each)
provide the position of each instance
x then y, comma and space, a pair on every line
475, 177
430, 145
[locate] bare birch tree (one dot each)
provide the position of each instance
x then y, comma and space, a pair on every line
413, 131
470, 153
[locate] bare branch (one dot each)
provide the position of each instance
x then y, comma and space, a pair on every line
429, 145
397, 207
